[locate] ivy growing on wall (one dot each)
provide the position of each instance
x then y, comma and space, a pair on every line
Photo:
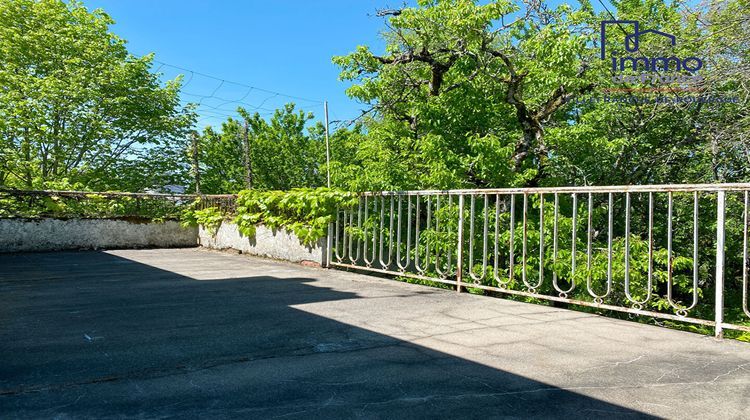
306, 212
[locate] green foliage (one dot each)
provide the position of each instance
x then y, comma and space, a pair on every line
88, 206
450, 93
463, 92
210, 218
305, 212
220, 157
283, 153
75, 104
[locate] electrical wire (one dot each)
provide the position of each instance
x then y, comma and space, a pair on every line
223, 81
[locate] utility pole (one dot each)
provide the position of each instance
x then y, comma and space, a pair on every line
194, 151
329, 237
246, 158
328, 147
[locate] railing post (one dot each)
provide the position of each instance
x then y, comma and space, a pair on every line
327, 252
459, 256
719, 305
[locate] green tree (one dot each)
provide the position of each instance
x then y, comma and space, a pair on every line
495, 94
725, 128
465, 92
75, 105
220, 159
284, 152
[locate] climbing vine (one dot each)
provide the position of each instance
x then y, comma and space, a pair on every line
306, 212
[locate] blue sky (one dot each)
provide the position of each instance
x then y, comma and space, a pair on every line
280, 46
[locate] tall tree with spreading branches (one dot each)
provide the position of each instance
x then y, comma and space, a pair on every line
76, 106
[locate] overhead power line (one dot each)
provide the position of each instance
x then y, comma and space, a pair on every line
218, 111
225, 81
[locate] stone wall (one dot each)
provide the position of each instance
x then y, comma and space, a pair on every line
49, 234
278, 244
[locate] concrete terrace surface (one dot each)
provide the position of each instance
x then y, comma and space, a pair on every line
168, 333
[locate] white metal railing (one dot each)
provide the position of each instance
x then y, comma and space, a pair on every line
650, 250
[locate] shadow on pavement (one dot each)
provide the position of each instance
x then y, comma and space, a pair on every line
89, 334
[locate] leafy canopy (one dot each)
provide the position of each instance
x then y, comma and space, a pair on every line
75, 105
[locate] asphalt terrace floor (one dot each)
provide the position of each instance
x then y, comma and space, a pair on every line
193, 333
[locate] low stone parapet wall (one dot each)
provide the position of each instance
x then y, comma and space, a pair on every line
279, 244
50, 234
